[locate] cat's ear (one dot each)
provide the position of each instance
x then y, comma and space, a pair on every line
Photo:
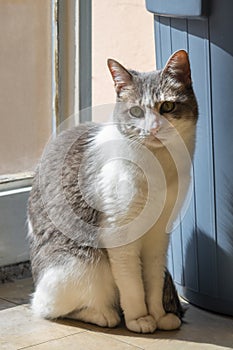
178, 67
120, 75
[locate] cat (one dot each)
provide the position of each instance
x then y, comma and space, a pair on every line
83, 267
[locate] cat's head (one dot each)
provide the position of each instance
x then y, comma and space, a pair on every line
147, 100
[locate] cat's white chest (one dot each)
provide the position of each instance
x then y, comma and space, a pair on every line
118, 188
120, 180
117, 180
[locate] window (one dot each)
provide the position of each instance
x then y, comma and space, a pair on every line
26, 79
40, 79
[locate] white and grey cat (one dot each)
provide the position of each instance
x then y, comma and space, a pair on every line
77, 273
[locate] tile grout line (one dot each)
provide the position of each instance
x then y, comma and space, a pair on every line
10, 301
115, 336
48, 341
121, 341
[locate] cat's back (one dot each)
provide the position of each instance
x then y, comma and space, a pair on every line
56, 194
61, 156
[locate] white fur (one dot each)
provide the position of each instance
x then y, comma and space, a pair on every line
77, 290
30, 230
108, 133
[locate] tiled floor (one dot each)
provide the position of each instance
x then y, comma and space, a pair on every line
19, 329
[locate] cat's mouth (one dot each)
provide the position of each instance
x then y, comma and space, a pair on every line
151, 137
147, 137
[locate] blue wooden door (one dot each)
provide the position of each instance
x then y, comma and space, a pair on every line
201, 249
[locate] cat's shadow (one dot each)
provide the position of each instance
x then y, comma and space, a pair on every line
191, 331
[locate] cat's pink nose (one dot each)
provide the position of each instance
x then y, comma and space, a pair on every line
154, 131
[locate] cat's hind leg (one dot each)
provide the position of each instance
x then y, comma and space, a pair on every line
101, 304
107, 317
77, 291
55, 294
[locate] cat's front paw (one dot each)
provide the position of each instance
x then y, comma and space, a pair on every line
168, 322
146, 324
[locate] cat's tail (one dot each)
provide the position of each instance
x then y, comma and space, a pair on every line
171, 300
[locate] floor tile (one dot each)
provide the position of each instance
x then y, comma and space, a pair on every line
19, 328
6, 346
170, 344
87, 341
18, 291
4, 304
207, 327
136, 339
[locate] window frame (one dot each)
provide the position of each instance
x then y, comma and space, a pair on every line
71, 92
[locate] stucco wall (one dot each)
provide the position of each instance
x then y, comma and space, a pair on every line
123, 30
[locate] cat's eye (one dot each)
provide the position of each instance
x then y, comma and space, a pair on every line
167, 107
136, 112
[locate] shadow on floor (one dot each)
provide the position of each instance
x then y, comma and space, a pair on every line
199, 327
